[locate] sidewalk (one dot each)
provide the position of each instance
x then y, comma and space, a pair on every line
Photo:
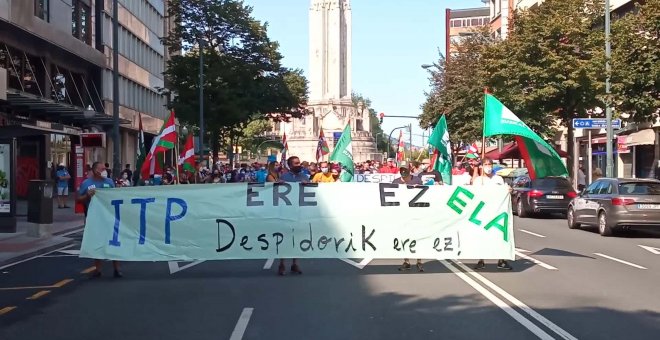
19, 246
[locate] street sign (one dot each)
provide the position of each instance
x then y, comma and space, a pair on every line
595, 123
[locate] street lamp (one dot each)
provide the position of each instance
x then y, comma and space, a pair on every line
89, 112
201, 96
184, 131
116, 160
389, 140
608, 110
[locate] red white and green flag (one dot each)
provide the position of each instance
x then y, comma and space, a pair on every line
541, 159
165, 141
400, 149
472, 151
187, 157
322, 148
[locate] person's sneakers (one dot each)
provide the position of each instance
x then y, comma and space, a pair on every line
118, 274
281, 270
503, 265
404, 266
95, 274
295, 269
419, 267
480, 265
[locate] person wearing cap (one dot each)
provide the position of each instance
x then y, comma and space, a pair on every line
389, 168
408, 179
63, 178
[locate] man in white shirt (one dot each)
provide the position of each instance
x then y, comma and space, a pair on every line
488, 177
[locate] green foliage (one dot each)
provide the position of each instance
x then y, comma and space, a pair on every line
374, 121
636, 62
243, 76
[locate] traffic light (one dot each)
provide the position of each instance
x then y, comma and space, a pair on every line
381, 117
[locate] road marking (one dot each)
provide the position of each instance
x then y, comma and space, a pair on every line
72, 232
71, 251
7, 310
33, 257
651, 249
359, 265
531, 233
523, 250
38, 295
61, 255
242, 323
174, 266
269, 263
62, 283
531, 312
619, 260
88, 270
499, 303
535, 261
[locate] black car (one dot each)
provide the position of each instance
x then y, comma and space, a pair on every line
541, 196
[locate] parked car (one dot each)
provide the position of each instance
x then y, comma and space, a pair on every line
541, 196
616, 203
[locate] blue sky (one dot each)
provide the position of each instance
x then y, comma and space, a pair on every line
391, 40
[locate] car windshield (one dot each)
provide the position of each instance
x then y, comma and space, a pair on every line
559, 183
639, 188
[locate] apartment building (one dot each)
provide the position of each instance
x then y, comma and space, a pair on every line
460, 23
56, 80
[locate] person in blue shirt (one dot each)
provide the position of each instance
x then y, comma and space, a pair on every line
295, 174
98, 180
63, 178
261, 174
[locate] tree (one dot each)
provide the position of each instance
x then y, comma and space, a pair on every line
244, 77
374, 121
457, 89
551, 67
636, 62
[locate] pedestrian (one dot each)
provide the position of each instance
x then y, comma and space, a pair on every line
63, 178
325, 175
408, 179
99, 180
581, 178
273, 172
295, 174
389, 168
108, 171
485, 175
429, 176
598, 173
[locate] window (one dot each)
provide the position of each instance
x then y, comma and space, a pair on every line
41, 9
594, 188
81, 23
475, 22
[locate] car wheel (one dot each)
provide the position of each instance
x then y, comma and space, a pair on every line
570, 218
603, 228
521, 209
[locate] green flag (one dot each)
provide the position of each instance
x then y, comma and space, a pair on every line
540, 158
141, 153
343, 154
442, 155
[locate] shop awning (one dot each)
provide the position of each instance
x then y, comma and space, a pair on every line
511, 151
642, 137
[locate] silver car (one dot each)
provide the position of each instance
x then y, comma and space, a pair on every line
616, 203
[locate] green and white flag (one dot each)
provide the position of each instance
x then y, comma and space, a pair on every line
343, 154
540, 158
442, 155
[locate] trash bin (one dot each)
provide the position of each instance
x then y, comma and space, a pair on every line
40, 202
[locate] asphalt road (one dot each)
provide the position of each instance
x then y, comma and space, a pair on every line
568, 284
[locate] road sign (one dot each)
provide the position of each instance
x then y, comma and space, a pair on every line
595, 123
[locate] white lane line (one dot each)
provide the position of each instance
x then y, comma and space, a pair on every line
242, 323
499, 303
357, 265
653, 250
174, 266
523, 250
619, 260
72, 232
269, 263
535, 261
540, 318
71, 251
33, 257
532, 233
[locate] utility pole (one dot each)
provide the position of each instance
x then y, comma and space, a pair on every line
609, 170
116, 160
201, 99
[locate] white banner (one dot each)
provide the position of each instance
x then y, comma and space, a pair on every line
375, 178
294, 220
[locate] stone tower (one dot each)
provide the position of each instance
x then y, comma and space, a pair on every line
330, 87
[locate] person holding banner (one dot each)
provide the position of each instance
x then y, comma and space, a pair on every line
85, 193
408, 179
484, 175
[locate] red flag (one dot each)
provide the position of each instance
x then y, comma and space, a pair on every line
322, 148
187, 157
165, 140
399, 153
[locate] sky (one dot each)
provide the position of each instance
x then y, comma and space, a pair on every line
391, 40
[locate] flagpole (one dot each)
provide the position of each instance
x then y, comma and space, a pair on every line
483, 130
176, 162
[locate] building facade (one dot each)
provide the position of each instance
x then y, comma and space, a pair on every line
460, 23
56, 79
